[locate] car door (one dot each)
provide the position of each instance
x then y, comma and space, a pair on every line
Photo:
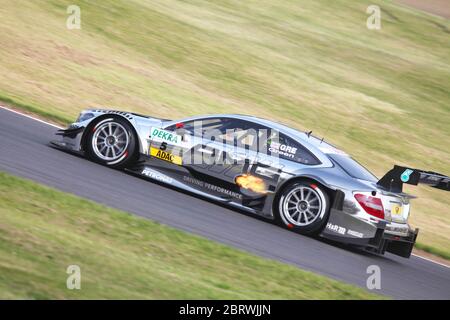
229, 162
212, 160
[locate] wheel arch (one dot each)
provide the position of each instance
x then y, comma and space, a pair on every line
92, 124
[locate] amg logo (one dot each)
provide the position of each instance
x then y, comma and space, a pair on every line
336, 228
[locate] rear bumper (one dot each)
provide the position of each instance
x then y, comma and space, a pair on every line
398, 245
374, 237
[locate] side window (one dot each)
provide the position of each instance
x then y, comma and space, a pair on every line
230, 131
289, 149
198, 127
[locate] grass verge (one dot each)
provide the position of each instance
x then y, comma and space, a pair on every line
43, 231
433, 250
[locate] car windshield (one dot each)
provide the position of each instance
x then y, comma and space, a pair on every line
352, 167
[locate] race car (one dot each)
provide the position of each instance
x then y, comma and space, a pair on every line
263, 167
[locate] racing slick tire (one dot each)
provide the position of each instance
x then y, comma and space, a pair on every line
112, 142
304, 207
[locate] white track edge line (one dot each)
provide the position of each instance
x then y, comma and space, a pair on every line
429, 260
55, 126
30, 117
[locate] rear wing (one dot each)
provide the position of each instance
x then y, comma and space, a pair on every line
394, 179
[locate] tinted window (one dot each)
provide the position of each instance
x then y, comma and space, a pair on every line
353, 168
227, 130
289, 149
249, 135
199, 127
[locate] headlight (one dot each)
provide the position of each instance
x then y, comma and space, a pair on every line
85, 116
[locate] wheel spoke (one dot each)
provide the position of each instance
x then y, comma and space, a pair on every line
306, 217
308, 195
115, 131
103, 132
302, 193
312, 214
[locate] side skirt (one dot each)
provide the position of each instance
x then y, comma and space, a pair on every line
153, 175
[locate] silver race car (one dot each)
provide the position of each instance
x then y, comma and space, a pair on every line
260, 166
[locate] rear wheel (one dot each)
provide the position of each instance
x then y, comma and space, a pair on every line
112, 142
303, 207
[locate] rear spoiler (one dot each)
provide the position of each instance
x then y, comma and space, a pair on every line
394, 179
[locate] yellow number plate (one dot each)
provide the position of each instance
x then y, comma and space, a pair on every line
166, 156
396, 211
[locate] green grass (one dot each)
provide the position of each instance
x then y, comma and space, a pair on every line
433, 250
43, 231
383, 96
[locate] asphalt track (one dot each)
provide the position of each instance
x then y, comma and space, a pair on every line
24, 152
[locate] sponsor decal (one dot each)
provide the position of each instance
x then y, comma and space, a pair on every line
282, 149
163, 135
267, 172
166, 156
212, 187
355, 233
336, 228
396, 210
155, 175
403, 230
405, 175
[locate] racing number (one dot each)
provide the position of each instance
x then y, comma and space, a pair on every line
163, 146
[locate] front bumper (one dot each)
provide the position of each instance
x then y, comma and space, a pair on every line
71, 138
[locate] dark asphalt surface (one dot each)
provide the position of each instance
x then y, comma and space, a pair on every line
24, 152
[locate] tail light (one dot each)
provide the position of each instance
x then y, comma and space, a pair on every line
372, 205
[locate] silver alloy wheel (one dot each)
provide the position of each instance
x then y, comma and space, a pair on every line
302, 206
110, 141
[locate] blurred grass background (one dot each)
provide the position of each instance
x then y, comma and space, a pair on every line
381, 95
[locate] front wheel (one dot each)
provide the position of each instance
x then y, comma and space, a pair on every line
112, 142
303, 207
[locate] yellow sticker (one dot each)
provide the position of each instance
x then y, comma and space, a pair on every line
396, 210
166, 156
